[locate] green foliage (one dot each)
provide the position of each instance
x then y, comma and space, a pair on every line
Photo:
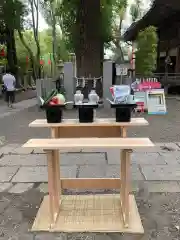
146, 54
67, 11
45, 38
107, 17
135, 10
12, 13
119, 12
22, 52
119, 6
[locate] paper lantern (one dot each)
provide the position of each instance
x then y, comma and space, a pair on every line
2, 52
41, 62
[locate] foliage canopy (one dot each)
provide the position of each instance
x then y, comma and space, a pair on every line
146, 54
68, 12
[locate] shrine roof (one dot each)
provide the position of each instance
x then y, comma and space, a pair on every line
160, 11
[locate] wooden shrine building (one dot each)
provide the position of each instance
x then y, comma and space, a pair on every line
165, 16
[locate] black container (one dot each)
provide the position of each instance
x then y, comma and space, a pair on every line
54, 113
123, 112
86, 113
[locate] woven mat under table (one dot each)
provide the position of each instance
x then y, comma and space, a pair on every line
89, 213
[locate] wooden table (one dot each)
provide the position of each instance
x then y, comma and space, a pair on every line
101, 127
104, 133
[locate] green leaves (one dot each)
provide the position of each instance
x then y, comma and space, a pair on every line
146, 51
68, 13
135, 10
11, 13
45, 45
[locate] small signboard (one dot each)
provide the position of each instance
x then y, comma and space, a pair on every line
156, 102
121, 70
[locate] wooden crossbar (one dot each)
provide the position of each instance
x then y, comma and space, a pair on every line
91, 183
69, 143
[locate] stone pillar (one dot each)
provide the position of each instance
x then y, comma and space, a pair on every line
69, 81
107, 82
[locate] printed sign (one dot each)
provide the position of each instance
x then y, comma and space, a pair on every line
121, 70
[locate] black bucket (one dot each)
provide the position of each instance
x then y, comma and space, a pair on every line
86, 115
53, 114
123, 114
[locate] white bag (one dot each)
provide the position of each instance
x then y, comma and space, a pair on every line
121, 93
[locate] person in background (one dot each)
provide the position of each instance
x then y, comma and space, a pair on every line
9, 84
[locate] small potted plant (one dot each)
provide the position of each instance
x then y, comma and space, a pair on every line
53, 105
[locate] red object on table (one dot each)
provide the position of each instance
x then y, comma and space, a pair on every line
112, 90
55, 100
52, 103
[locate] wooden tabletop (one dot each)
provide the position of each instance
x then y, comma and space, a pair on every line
66, 143
106, 122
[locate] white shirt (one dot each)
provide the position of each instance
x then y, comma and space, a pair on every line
9, 82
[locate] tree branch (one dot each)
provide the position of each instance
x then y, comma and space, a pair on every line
33, 17
36, 4
29, 51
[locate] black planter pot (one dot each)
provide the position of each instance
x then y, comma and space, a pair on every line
123, 112
54, 113
86, 113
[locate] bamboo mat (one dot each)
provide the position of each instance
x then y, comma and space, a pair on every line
89, 213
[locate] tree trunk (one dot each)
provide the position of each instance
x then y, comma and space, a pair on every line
35, 20
11, 54
54, 44
88, 47
54, 40
38, 58
32, 59
27, 48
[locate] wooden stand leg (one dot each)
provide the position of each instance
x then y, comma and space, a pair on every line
122, 181
123, 132
54, 134
56, 168
52, 188
125, 189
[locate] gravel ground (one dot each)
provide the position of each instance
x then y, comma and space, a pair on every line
160, 216
161, 128
159, 212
